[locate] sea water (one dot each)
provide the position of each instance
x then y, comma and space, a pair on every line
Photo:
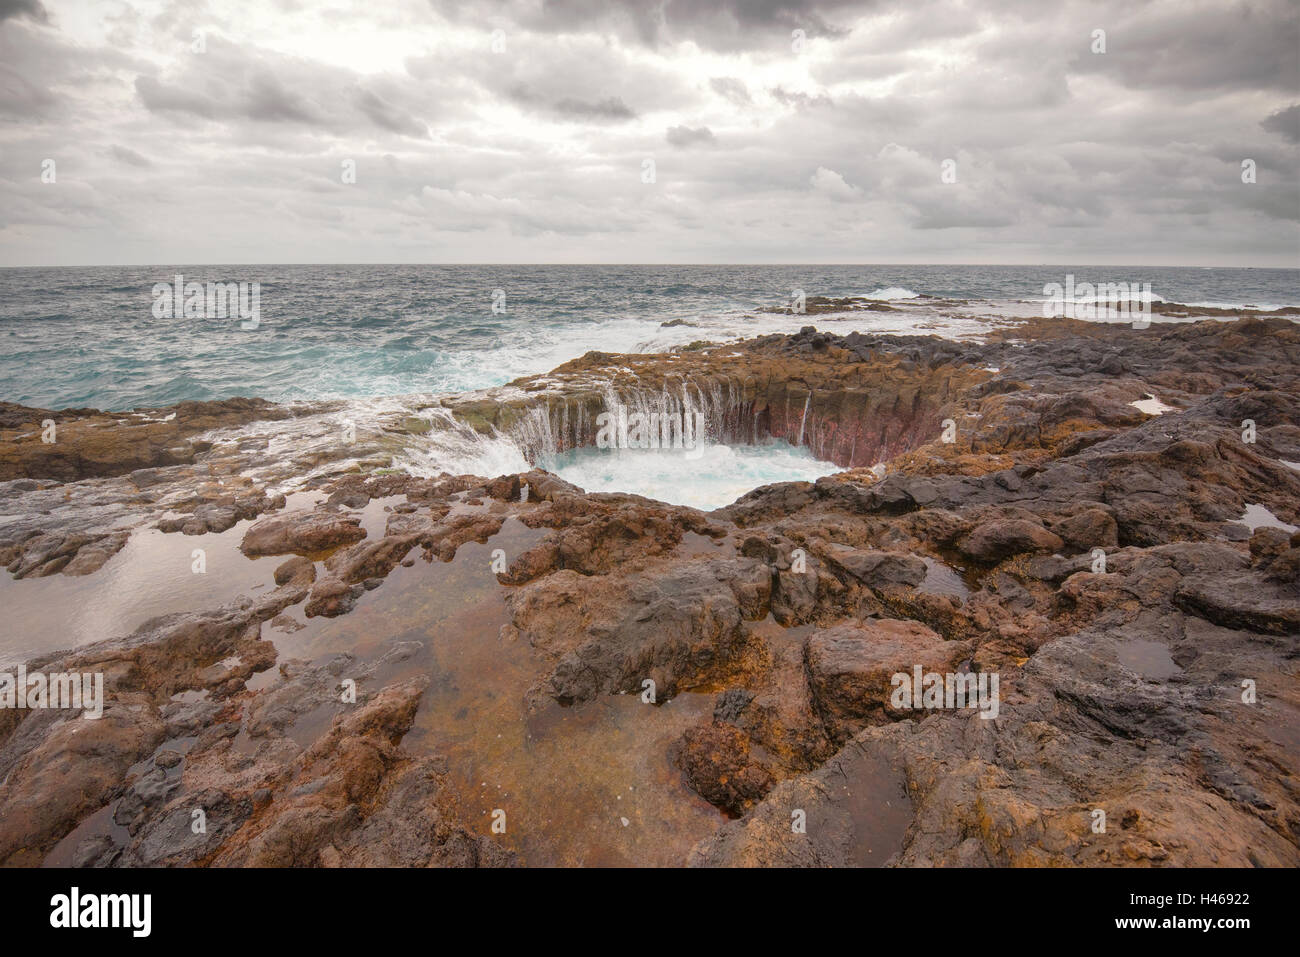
88, 336
705, 478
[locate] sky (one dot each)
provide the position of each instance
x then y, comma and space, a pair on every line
683, 131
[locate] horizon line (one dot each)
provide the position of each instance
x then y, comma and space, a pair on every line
145, 265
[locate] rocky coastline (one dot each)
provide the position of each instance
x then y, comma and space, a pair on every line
1015, 507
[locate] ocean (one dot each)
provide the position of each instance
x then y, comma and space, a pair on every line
76, 337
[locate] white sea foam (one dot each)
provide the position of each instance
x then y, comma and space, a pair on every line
1261, 306
717, 477
912, 319
891, 294
454, 447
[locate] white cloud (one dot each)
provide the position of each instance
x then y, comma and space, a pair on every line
830, 183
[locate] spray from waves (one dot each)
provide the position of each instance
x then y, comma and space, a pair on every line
452, 446
892, 294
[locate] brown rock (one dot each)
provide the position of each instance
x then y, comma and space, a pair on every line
331, 597
37, 805
850, 667
298, 567
1001, 538
717, 764
302, 533
876, 568
1089, 529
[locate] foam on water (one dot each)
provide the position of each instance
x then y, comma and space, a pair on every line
1261, 306
451, 446
705, 478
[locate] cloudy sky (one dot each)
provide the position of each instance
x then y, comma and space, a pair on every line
222, 131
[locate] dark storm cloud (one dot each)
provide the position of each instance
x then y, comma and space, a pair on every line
41, 74
732, 89
23, 8
578, 79
1199, 48
683, 136
269, 101
262, 98
383, 114
612, 108
1277, 200
20, 98
163, 99
718, 25
798, 99
1285, 123
129, 156
231, 83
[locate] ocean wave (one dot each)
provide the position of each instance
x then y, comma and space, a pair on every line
1092, 300
892, 294
1261, 306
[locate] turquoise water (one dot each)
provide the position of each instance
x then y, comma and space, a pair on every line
705, 478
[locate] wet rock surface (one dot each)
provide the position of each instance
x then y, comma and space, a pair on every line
1092, 557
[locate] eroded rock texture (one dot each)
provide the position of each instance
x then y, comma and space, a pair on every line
1095, 558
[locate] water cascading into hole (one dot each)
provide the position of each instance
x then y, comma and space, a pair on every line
848, 427
738, 452
550, 427
850, 424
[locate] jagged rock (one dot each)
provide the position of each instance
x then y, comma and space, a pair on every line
1242, 602
90, 444
715, 758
